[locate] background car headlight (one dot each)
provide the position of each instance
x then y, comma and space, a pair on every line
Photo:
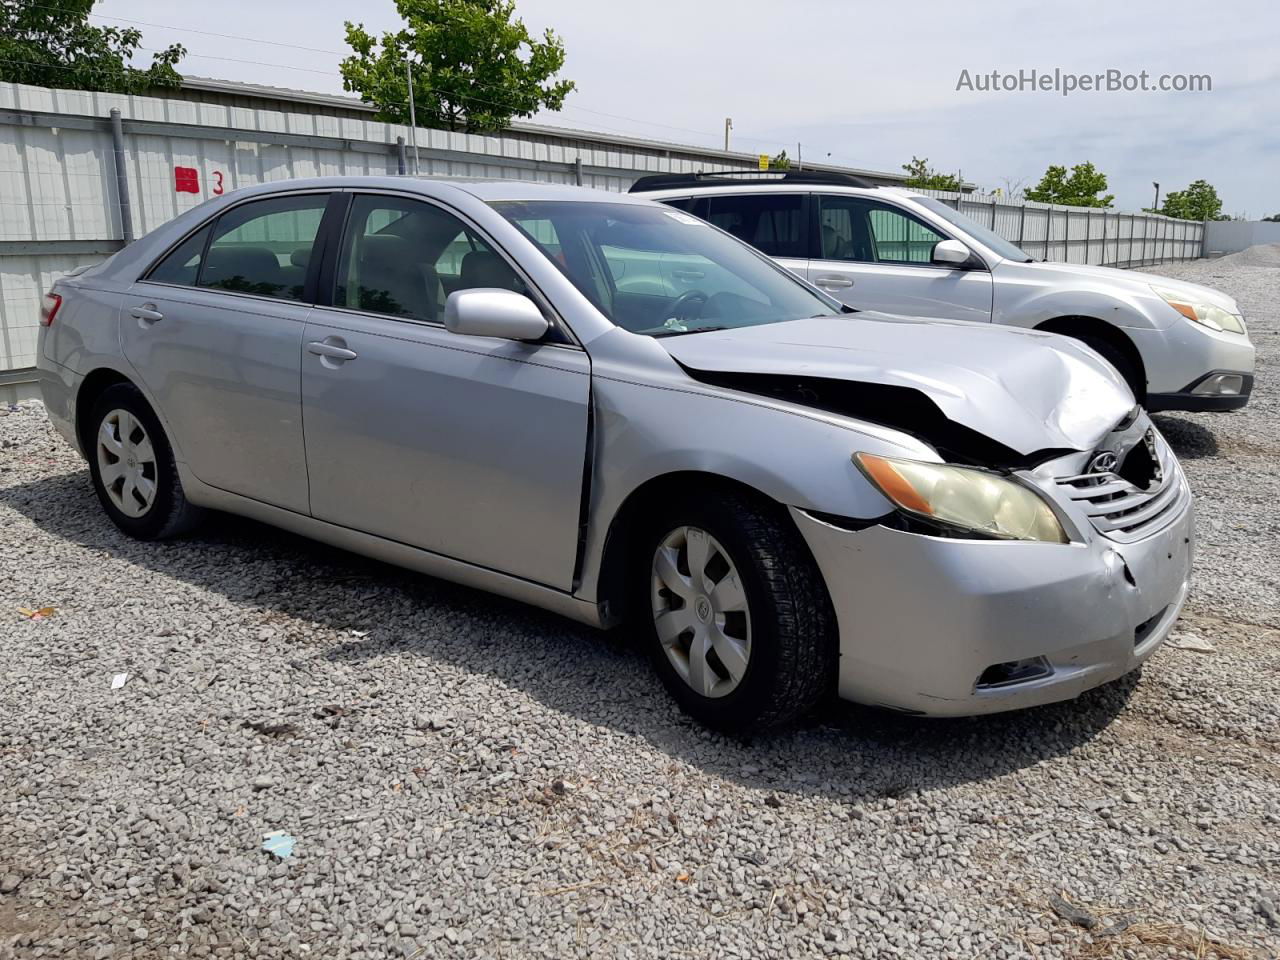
1213, 317
964, 497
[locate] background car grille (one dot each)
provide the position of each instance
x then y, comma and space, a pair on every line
1123, 511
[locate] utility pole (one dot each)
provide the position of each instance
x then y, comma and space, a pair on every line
728, 125
413, 117
1156, 208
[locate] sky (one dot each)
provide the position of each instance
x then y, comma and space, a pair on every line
865, 84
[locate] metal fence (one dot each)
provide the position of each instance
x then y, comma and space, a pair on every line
1085, 235
60, 196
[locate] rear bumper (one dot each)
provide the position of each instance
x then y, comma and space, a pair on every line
923, 618
58, 386
1195, 398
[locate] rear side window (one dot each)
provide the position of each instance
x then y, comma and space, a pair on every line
182, 265
264, 247
772, 223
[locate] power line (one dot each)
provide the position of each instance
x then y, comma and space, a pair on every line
337, 53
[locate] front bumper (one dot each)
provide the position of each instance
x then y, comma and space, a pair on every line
1205, 393
1183, 356
922, 618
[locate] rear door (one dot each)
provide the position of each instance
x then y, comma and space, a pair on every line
214, 331
877, 256
470, 447
774, 223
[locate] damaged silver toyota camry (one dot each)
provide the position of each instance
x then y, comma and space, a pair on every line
613, 410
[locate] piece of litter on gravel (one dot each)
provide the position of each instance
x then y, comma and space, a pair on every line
1189, 641
118, 680
278, 843
1070, 912
358, 633
42, 613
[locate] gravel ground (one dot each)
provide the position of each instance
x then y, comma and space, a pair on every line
469, 777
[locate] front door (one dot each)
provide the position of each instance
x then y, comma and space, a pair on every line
214, 331
876, 256
470, 447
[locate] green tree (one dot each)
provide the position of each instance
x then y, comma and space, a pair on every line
923, 177
1080, 188
474, 67
1200, 201
1274, 218
53, 44
780, 162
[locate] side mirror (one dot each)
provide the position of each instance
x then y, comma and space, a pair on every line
950, 253
494, 312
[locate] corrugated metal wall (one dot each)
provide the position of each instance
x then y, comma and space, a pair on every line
1082, 234
59, 207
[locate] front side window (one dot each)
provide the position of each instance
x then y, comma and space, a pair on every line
864, 231
990, 238
264, 247
660, 272
772, 223
403, 258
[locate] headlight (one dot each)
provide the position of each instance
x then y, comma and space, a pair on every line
1213, 317
964, 497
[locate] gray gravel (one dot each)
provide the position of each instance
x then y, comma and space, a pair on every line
468, 777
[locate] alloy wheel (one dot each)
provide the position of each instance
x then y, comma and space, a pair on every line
126, 463
700, 611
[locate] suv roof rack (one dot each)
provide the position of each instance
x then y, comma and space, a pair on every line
669, 181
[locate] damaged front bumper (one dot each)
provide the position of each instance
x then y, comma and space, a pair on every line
950, 627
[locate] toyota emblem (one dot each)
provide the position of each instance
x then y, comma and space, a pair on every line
1104, 462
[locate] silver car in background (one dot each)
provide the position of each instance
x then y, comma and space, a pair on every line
498, 383
1179, 346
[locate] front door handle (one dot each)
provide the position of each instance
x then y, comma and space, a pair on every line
332, 348
833, 282
146, 314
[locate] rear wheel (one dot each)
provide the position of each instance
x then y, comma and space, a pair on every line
738, 621
133, 469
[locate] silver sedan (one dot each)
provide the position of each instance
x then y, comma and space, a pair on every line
613, 410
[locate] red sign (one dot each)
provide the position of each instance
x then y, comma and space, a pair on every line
186, 180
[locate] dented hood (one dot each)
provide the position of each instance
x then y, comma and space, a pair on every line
1027, 390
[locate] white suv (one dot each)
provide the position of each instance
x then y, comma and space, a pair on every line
1180, 346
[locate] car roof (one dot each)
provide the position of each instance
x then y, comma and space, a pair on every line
485, 189
756, 188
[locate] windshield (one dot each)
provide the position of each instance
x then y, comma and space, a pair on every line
993, 240
661, 272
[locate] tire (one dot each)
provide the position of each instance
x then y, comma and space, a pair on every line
1117, 358
165, 513
791, 637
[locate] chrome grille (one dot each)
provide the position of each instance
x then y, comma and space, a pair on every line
1125, 512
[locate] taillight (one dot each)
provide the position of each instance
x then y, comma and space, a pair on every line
49, 308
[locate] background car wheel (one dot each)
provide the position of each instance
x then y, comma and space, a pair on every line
133, 469
737, 618
1124, 366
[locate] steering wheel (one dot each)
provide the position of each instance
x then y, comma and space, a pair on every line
676, 309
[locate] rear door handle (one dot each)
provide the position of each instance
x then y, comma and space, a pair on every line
833, 282
689, 275
332, 348
146, 314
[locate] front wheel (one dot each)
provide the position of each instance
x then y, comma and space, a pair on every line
1118, 359
739, 623
133, 469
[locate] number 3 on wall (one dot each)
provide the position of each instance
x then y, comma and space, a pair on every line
217, 182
